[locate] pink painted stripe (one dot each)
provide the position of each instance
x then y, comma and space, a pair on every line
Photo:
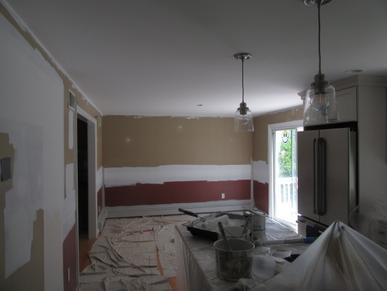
261, 196
99, 200
176, 192
69, 260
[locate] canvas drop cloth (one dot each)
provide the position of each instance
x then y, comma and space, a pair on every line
340, 259
124, 257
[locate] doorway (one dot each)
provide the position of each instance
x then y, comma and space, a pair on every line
86, 199
83, 178
283, 171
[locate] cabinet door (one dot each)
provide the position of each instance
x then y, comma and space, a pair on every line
346, 102
305, 154
337, 175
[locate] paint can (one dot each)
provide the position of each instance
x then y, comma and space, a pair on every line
231, 265
257, 222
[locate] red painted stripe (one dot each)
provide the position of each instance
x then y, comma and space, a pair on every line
176, 192
70, 261
99, 200
261, 195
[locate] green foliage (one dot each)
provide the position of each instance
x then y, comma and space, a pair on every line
286, 155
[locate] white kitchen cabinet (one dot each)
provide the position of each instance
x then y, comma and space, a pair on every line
346, 102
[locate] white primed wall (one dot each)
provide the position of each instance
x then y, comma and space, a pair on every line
31, 111
372, 125
171, 173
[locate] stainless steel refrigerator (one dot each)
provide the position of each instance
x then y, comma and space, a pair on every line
326, 176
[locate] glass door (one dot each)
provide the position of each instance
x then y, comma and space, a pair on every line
284, 173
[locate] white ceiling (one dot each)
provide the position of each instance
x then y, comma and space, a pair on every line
153, 57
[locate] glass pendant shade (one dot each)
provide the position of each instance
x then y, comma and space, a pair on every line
243, 120
320, 104
320, 99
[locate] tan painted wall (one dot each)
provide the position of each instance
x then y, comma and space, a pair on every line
151, 141
261, 124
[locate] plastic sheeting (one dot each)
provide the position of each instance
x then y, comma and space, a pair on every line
341, 259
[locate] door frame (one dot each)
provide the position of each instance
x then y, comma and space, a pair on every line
271, 128
92, 172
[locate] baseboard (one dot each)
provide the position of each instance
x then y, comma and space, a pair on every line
168, 209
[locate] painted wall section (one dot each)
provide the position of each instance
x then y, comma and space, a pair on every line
69, 262
31, 113
32, 44
176, 184
154, 141
372, 125
159, 160
177, 192
260, 166
175, 173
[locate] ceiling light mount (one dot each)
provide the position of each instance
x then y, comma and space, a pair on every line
242, 56
310, 3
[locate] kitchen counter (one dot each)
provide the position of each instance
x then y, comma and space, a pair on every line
196, 257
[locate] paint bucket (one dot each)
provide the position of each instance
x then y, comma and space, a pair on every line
257, 222
235, 264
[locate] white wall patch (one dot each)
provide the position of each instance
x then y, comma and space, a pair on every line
174, 173
99, 179
261, 172
29, 86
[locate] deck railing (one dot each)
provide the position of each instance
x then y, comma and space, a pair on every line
286, 193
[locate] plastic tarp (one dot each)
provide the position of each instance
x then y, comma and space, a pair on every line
340, 259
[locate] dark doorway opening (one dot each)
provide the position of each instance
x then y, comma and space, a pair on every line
83, 178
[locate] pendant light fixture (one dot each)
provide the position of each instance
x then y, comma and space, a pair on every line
320, 99
243, 120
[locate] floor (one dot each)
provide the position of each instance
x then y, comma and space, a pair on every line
112, 253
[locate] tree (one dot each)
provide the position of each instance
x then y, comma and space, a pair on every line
286, 154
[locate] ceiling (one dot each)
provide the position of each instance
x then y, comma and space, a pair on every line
152, 57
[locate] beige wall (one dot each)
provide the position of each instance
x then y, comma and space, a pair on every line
151, 141
261, 125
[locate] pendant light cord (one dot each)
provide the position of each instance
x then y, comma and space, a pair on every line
319, 36
243, 80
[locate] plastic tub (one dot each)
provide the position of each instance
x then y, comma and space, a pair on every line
235, 264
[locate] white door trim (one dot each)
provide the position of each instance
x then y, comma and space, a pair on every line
271, 128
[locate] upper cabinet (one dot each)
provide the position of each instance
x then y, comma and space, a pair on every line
346, 102
349, 91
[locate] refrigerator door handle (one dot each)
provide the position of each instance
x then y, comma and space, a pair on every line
322, 173
315, 177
